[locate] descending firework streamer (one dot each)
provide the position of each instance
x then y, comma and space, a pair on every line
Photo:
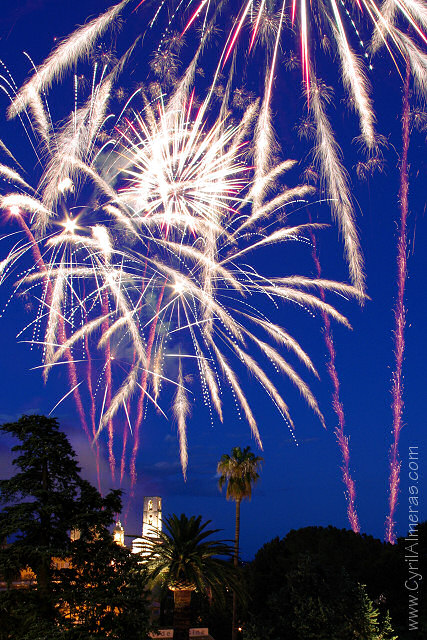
342, 439
48, 295
327, 25
269, 22
400, 320
410, 45
144, 253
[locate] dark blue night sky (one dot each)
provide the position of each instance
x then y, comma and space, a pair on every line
300, 484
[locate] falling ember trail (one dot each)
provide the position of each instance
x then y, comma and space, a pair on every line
62, 334
399, 316
342, 439
125, 435
92, 411
108, 380
141, 398
123, 458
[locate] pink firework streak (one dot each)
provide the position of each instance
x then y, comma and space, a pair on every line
399, 316
342, 439
123, 458
125, 435
92, 400
144, 381
62, 332
109, 382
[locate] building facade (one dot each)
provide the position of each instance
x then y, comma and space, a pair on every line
151, 522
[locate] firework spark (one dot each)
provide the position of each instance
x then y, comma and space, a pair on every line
333, 26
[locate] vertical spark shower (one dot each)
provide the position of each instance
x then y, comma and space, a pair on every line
399, 316
143, 389
342, 439
61, 330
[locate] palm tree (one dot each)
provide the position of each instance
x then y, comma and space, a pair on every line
240, 472
184, 560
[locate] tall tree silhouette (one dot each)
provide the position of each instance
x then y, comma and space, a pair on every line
239, 472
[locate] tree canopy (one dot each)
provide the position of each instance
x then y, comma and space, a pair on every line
323, 582
239, 472
185, 555
86, 587
185, 559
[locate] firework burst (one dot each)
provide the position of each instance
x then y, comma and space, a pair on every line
142, 233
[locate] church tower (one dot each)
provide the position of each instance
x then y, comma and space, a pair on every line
152, 517
151, 522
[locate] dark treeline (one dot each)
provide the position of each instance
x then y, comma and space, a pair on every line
56, 585
314, 584
325, 583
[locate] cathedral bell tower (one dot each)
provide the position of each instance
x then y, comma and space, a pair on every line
151, 522
152, 517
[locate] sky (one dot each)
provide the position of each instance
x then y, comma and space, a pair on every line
300, 483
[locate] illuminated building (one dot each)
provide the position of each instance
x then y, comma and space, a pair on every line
119, 534
151, 522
